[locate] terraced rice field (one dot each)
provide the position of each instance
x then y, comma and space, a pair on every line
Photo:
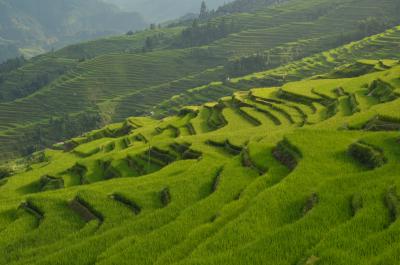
304, 173
114, 79
362, 56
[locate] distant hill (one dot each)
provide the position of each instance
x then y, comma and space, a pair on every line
31, 27
162, 10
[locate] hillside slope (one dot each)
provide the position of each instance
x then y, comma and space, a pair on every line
33, 27
304, 173
344, 61
108, 80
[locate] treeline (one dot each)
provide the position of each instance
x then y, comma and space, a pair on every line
29, 88
200, 34
58, 129
156, 41
242, 6
247, 64
11, 64
373, 25
30, 84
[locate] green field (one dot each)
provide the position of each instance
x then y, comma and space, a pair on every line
164, 155
305, 173
88, 85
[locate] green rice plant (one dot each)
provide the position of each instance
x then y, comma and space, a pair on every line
356, 203
3, 182
310, 203
50, 183
339, 91
382, 123
79, 171
85, 210
392, 203
381, 91
216, 120
135, 165
129, 203
192, 154
216, 180
165, 197
287, 154
32, 209
369, 156
296, 98
353, 104
162, 155
109, 147
107, 170
190, 128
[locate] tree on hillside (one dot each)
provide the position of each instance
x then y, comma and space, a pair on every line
203, 10
12, 64
200, 34
149, 44
247, 64
372, 25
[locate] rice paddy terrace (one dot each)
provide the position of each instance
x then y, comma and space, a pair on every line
114, 79
303, 173
349, 60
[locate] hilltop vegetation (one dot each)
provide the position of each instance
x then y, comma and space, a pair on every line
304, 173
158, 11
64, 93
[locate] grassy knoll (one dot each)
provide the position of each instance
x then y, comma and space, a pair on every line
303, 173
